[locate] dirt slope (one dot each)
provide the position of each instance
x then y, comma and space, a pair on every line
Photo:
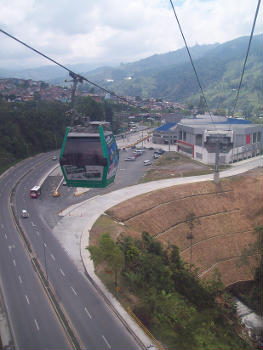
227, 214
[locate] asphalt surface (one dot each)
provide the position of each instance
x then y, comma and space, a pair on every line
95, 323
32, 320
85, 214
55, 239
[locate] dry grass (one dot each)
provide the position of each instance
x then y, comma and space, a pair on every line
227, 213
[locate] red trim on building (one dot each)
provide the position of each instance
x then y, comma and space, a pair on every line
187, 144
248, 139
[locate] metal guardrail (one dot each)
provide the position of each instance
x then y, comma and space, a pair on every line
146, 331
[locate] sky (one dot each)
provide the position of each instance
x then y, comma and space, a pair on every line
116, 31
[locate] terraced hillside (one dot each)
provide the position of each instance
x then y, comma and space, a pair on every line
227, 215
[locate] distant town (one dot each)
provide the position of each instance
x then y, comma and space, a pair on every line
21, 90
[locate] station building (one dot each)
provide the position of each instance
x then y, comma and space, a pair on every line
197, 137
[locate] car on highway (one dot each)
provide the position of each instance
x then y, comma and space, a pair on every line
54, 158
24, 213
130, 159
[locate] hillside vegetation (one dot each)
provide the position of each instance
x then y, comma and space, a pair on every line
28, 128
173, 274
171, 77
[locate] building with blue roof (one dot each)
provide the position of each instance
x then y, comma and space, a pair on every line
196, 137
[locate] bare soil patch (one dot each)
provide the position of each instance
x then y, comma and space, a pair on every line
173, 164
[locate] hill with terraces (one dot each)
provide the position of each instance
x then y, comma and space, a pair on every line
227, 213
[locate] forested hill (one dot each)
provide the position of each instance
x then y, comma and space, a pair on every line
171, 76
28, 128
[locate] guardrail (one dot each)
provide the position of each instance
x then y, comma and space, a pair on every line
146, 331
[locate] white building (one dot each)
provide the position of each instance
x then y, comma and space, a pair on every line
197, 137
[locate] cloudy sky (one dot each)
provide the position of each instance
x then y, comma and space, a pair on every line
115, 31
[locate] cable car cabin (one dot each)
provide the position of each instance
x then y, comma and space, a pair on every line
89, 155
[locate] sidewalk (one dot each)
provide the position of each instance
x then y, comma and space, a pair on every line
81, 217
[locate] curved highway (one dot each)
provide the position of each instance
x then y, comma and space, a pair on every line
33, 322
94, 323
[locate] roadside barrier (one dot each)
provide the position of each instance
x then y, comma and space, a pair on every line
146, 331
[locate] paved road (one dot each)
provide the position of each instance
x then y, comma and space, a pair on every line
129, 173
34, 325
81, 217
96, 325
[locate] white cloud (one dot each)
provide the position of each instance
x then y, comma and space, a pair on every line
116, 31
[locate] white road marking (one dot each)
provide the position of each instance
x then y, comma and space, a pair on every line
14, 262
86, 310
62, 272
45, 244
20, 279
27, 299
73, 290
33, 224
52, 256
37, 326
106, 341
37, 232
5, 236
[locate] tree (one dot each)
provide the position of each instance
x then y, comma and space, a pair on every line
255, 250
109, 252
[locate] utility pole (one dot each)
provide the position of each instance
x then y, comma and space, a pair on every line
216, 171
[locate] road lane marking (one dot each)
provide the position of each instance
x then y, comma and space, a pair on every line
52, 256
37, 232
27, 299
37, 326
20, 279
86, 310
73, 290
45, 244
14, 262
106, 341
5, 236
62, 272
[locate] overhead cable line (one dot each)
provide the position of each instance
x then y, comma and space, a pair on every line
75, 76
245, 61
192, 62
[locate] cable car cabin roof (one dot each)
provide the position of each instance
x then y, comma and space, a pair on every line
89, 130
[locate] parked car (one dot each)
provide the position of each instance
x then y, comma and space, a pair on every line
147, 162
159, 151
24, 213
54, 158
137, 153
156, 155
130, 158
